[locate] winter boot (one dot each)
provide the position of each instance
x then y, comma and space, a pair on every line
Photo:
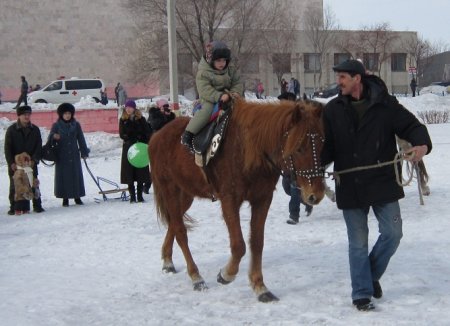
78, 201
140, 187
292, 220
186, 140
308, 210
65, 202
363, 304
377, 290
132, 192
147, 186
37, 205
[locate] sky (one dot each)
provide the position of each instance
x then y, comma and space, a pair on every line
429, 18
99, 264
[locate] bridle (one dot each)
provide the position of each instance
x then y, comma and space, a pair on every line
317, 171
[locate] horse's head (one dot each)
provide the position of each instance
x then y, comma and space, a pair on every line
301, 151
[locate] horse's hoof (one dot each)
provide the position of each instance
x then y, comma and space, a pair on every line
200, 286
169, 269
267, 297
221, 280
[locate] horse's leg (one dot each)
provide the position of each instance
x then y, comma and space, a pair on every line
260, 209
180, 231
167, 250
230, 210
169, 212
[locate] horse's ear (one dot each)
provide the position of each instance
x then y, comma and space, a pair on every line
319, 111
298, 112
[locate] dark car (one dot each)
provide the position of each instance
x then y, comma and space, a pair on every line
442, 83
331, 90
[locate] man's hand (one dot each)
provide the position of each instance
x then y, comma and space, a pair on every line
418, 153
56, 136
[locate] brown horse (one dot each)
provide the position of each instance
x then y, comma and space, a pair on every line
261, 141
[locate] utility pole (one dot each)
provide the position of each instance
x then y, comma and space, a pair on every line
173, 67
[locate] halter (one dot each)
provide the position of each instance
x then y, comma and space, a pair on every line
316, 172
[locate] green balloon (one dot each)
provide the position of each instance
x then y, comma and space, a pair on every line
137, 155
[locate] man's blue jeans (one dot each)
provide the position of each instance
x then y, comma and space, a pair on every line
294, 203
366, 268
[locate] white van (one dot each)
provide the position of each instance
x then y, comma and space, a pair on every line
68, 90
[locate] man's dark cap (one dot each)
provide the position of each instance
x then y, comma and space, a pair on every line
351, 66
23, 109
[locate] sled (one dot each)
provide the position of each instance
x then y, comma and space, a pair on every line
114, 187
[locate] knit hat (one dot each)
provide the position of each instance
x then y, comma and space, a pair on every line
131, 104
217, 50
65, 107
23, 109
351, 66
161, 102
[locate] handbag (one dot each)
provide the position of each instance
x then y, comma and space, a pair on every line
50, 151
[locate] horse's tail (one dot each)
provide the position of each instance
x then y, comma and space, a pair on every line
163, 213
161, 209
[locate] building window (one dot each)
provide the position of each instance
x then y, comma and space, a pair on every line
371, 61
341, 57
249, 63
311, 62
281, 63
398, 62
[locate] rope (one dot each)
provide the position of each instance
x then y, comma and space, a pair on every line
398, 158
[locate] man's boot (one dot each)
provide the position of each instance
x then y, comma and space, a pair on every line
132, 192
37, 205
186, 140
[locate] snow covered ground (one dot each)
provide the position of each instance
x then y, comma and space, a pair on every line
99, 264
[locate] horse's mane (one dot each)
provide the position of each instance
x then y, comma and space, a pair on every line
263, 128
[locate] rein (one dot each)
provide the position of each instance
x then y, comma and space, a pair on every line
398, 158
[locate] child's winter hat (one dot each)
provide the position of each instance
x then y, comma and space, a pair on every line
217, 50
131, 104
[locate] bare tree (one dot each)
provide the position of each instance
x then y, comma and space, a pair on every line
420, 54
375, 42
319, 31
277, 34
237, 22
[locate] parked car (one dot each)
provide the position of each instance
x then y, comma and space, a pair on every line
68, 90
441, 83
329, 91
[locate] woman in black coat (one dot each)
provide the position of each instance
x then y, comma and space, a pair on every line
67, 132
133, 128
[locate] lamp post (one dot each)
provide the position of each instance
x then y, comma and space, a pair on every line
173, 68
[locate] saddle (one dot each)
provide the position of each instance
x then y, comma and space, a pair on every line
207, 142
